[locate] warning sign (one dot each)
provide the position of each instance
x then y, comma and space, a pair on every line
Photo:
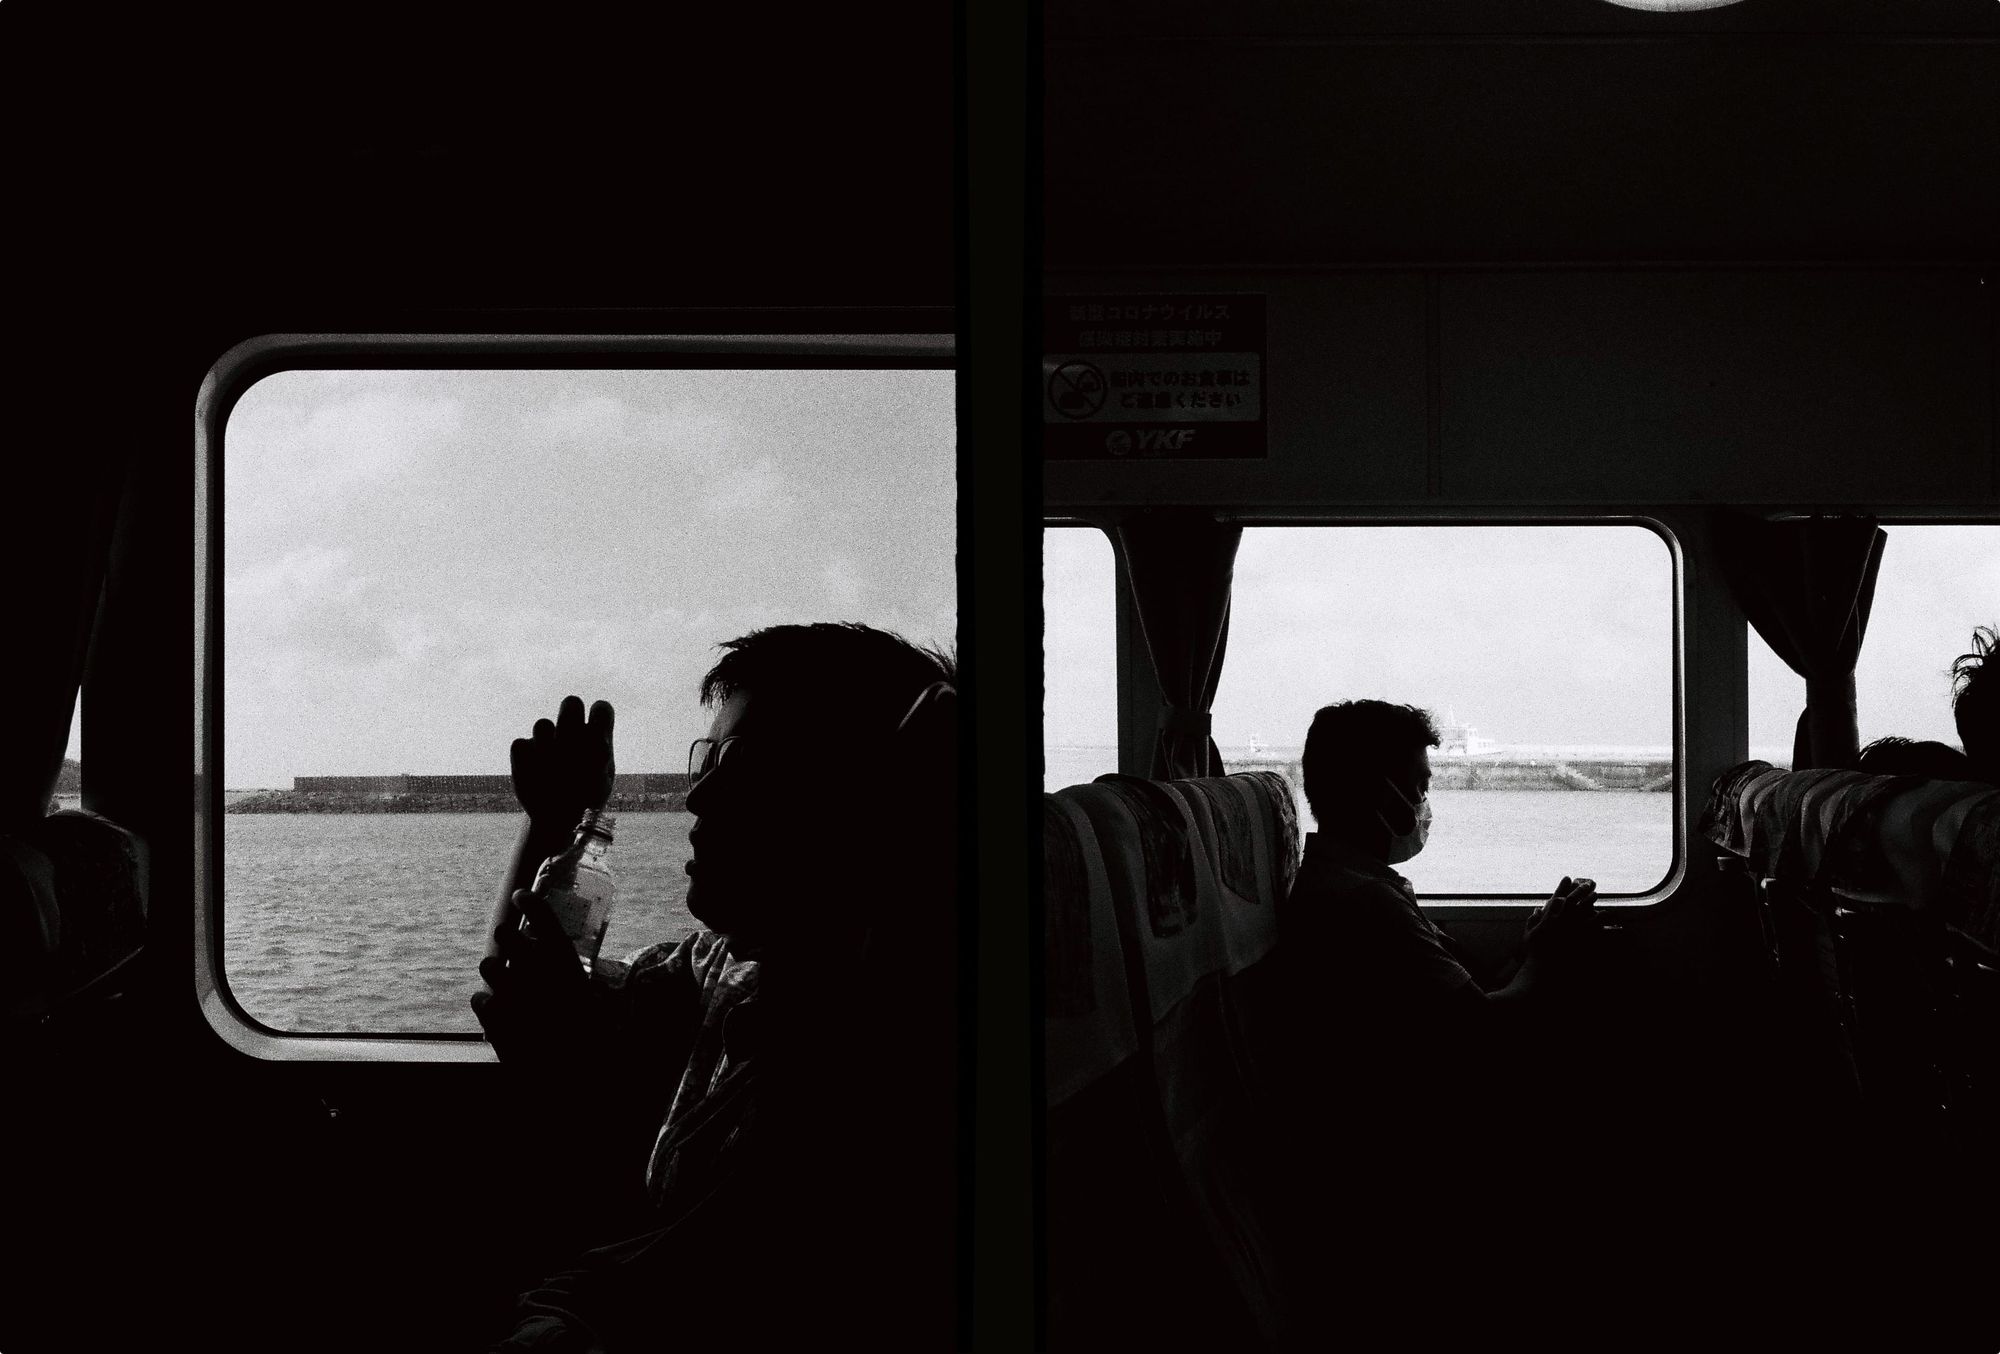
1177, 376
1076, 389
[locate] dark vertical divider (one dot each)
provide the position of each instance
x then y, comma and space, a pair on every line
999, 223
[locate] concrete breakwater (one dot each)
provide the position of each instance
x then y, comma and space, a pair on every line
642, 792
1501, 772
293, 801
656, 792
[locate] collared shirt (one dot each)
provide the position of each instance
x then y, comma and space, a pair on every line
804, 1149
709, 1020
1379, 1029
694, 1002
1354, 920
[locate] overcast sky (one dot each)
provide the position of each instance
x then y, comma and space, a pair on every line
418, 565
1534, 636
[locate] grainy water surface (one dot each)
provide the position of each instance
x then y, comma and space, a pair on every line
375, 922
1499, 841
1525, 841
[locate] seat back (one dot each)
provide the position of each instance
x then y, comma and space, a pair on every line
1128, 1265
101, 887
1816, 1048
1970, 1052
76, 914
1192, 872
1871, 881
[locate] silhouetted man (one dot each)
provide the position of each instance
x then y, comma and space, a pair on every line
791, 1065
1390, 979
1893, 756
1975, 703
1397, 1055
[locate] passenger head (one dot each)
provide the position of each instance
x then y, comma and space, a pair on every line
1902, 757
826, 782
1975, 702
1367, 767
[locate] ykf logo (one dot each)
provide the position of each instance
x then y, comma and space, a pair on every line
1149, 439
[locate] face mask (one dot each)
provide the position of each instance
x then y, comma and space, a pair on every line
1403, 845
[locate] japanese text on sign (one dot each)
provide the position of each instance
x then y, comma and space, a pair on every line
1149, 376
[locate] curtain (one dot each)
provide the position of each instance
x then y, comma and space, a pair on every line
1179, 564
1806, 587
56, 569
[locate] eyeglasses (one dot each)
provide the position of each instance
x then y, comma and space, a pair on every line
705, 754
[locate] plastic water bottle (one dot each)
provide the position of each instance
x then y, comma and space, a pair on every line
578, 885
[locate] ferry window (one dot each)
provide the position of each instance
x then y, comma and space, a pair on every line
1935, 584
418, 564
69, 781
1544, 653
1079, 657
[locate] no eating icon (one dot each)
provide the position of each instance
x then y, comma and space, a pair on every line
1076, 389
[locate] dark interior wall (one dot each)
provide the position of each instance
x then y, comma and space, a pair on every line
1784, 387
1559, 134
1803, 387
1288, 20
1568, 253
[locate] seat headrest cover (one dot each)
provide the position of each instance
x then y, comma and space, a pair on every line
100, 888
1164, 849
1895, 840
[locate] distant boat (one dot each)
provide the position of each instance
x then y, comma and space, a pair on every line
1462, 740
1254, 749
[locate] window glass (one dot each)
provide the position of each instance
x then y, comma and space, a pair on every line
417, 565
69, 781
1544, 653
1935, 584
1079, 657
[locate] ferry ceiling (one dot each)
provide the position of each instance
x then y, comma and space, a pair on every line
1571, 257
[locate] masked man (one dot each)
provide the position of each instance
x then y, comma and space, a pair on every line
1399, 1061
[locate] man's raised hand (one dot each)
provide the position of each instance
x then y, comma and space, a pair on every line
566, 767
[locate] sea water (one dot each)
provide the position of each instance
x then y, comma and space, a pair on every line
1492, 841
375, 923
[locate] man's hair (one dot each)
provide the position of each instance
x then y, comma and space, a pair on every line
1975, 699
874, 675
1894, 756
1353, 744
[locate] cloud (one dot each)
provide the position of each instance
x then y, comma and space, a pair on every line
286, 581
302, 614
289, 460
374, 435
598, 419
366, 437
758, 489
844, 588
610, 435
415, 638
